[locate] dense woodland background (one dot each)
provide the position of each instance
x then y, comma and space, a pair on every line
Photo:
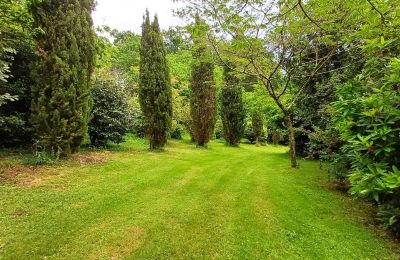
322, 77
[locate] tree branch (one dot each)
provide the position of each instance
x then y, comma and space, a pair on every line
377, 10
309, 17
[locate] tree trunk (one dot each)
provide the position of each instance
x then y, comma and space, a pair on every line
292, 140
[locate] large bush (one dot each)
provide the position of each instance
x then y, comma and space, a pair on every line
368, 117
111, 116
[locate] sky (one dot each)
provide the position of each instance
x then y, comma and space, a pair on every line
127, 15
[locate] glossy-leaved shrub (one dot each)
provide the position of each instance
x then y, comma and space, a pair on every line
368, 118
111, 116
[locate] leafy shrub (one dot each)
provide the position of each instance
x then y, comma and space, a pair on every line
13, 130
390, 216
252, 137
178, 132
339, 168
249, 134
41, 156
15, 99
218, 131
368, 117
111, 116
275, 136
138, 122
323, 142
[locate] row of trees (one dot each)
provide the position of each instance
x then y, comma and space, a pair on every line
332, 69
53, 93
155, 93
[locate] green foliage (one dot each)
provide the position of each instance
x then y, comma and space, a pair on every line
176, 40
179, 64
16, 53
232, 109
6, 97
61, 94
138, 121
202, 87
14, 114
219, 129
254, 129
249, 134
40, 157
178, 132
126, 56
368, 117
155, 93
111, 116
257, 125
15, 28
256, 100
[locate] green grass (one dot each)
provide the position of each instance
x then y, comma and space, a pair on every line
184, 202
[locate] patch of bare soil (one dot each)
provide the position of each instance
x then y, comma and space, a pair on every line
19, 213
91, 157
9, 173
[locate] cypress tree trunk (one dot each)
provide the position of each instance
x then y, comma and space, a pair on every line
61, 96
155, 95
202, 87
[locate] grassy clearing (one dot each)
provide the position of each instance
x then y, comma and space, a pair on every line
183, 203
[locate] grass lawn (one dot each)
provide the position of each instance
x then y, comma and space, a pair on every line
185, 202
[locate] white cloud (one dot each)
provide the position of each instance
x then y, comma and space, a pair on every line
128, 14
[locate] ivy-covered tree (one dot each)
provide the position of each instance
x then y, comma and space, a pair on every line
232, 109
155, 95
202, 86
61, 95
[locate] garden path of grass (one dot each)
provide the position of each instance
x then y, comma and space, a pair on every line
185, 202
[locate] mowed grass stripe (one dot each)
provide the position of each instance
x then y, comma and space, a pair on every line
186, 202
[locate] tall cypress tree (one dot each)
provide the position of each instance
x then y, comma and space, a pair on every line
155, 93
202, 86
257, 125
232, 109
61, 95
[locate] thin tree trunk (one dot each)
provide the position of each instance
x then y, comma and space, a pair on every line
288, 119
292, 140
